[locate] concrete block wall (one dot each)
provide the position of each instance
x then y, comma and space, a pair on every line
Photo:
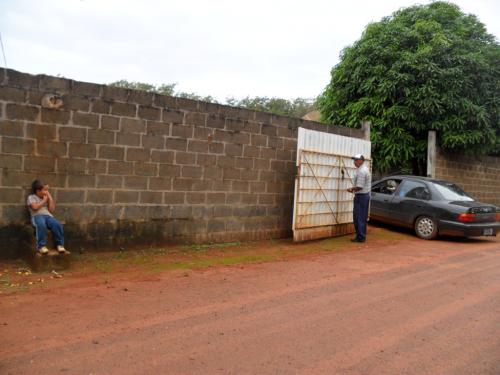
478, 175
129, 167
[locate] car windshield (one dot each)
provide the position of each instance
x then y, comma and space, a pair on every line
451, 192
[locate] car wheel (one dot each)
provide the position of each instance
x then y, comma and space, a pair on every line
426, 227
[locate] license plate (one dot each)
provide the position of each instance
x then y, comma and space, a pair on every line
488, 232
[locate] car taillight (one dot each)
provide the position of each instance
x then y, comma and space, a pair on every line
467, 218
498, 216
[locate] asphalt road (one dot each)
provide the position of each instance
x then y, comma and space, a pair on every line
405, 307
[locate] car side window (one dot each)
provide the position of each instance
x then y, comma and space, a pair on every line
414, 189
387, 187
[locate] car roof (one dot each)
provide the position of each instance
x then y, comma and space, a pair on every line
403, 176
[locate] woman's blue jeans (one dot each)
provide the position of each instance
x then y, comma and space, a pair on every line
44, 222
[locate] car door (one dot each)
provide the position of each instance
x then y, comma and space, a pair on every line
411, 201
382, 195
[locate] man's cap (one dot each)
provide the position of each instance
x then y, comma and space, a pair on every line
358, 157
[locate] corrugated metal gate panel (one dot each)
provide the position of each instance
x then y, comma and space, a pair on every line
322, 206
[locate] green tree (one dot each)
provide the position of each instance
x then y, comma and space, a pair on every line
295, 108
422, 68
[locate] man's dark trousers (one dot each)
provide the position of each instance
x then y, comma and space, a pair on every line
360, 214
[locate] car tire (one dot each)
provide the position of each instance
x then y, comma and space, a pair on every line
426, 227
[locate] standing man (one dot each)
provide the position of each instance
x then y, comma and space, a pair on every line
361, 190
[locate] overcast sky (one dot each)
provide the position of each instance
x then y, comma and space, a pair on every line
210, 47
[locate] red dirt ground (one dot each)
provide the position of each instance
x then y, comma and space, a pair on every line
395, 305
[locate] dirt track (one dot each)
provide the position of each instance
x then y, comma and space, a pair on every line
405, 307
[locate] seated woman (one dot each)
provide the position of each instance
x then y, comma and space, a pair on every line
41, 206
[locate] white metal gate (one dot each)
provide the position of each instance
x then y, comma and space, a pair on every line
322, 206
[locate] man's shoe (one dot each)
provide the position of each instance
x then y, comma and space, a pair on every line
43, 250
62, 250
357, 240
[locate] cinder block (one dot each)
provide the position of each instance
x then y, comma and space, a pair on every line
233, 150
103, 137
241, 138
157, 128
172, 116
283, 155
138, 154
245, 163
182, 184
69, 196
234, 124
267, 176
153, 141
191, 172
160, 100
81, 150
75, 103
181, 212
223, 136
216, 148
41, 132
167, 170
250, 175
86, 119
185, 158
216, 198
17, 178
48, 148
99, 196
240, 186
233, 198
17, 145
11, 195
149, 113
112, 152
162, 156
195, 118
251, 151
195, 197
206, 159
222, 185
66, 165
12, 94
135, 182
275, 142
182, 131
187, 104
231, 174
226, 161
110, 182
12, 162
140, 97
72, 134
146, 169
128, 139
215, 225
81, 181
55, 116
110, 123
125, 196
197, 146
22, 112
176, 144
204, 134
252, 127
216, 121
159, 183
120, 167
249, 198
129, 125
223, 211
257, 187
11, 128
124, 109
258, 140
173, 197
85, 88
212, 172
151, 197
267, 153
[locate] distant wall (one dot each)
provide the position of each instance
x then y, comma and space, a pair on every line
130, 167
479, 176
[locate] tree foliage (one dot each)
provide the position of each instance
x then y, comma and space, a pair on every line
295, 108
422, 68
